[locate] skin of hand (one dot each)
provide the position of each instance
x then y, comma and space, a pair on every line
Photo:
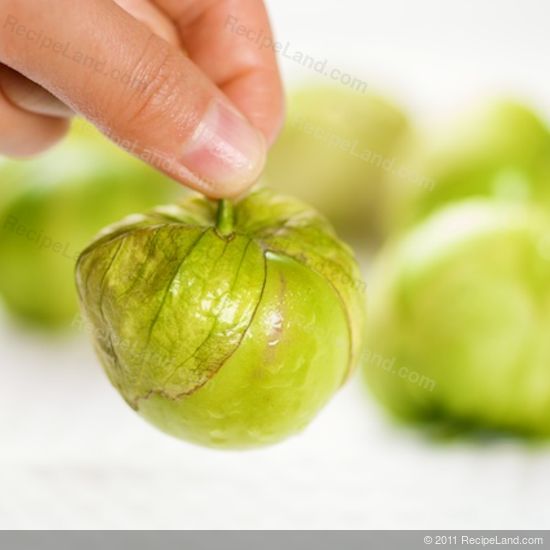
186, 85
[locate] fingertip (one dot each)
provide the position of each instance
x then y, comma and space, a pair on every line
260, 97
225, 155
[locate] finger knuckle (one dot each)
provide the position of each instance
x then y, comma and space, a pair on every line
156, 85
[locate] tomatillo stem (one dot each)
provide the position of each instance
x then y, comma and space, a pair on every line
225, 217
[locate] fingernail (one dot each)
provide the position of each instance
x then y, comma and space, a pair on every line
225, 154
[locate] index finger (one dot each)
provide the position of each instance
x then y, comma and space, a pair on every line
232, 42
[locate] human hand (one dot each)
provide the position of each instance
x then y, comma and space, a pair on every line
171, 81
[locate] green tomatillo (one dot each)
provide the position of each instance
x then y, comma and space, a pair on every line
54, 205
336, 151
459, 322
229, 326
500, 150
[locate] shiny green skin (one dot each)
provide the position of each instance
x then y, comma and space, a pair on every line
227, 340
336, 151
459, 322
499, 150
59, 202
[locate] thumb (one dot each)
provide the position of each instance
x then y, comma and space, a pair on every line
142, 92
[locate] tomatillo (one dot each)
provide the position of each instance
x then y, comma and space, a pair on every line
56, 204
336, 151
500, 149
460, 317
228, 326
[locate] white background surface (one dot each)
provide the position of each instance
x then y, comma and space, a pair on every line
72, 455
